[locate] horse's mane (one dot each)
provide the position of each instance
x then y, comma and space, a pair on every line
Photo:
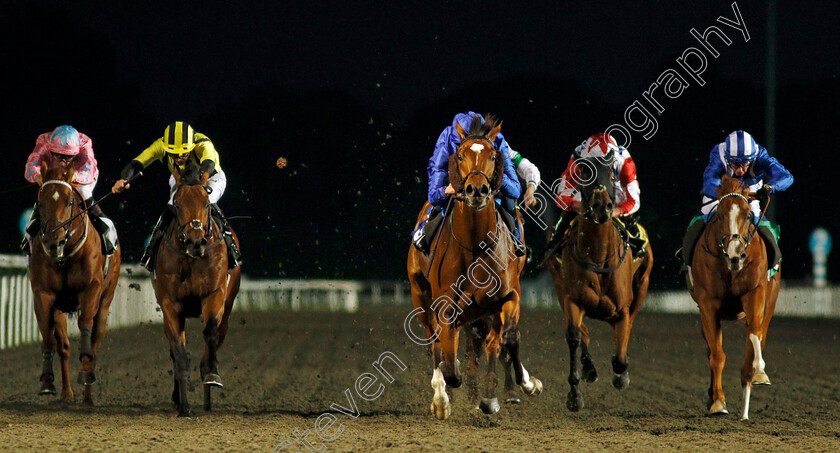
57, 173
479, 129
730, 185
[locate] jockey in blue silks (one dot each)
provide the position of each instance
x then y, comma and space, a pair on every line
440, 189
740, 157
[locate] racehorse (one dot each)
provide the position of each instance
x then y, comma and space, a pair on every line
191, 279
471, 277
729, 281
69, 273
597, 276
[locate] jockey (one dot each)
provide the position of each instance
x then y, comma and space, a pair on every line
440, 189
60, 148
179, 145
739, 156
627, 191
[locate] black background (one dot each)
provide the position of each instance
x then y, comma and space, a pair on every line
354, 95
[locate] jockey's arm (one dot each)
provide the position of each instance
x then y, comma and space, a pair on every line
510, 183
32, 172
154, 152
528, 172
437, 170
632, 191
775, 174
714, 171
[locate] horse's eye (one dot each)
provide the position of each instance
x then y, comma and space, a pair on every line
460, 157
493, 158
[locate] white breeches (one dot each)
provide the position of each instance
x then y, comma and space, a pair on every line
217, 183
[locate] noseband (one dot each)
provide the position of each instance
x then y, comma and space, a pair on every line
195, 224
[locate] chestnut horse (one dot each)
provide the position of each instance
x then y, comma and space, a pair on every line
729, 281
191, 279
473, 276
69, 273
598, 277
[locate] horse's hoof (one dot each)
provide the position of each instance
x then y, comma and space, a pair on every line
590, 374
47, 389
489, 405
718, 408
213, 379
513, 400
184, 412
760, 379
86, 377
536, 387
621, 380
574, 401
442, 413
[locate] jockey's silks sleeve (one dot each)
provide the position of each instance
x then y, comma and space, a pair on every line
204, 150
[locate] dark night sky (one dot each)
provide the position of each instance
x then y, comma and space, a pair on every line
355, 95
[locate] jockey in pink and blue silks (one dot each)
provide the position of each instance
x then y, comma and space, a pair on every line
440, 190
63, 147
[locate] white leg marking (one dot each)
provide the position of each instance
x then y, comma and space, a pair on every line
527, 384
441, 399
746, 414
758, 361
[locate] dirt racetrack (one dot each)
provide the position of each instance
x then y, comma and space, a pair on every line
283, 369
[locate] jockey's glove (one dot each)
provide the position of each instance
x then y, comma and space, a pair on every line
764, 192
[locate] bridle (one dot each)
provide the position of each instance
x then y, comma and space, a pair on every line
66, 225
489, 179
195, 224
726, 238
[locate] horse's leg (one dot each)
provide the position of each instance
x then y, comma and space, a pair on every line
450, 367
173, 326
714, 339
63, 345
510, 383
441, 406
46, 324
574, 318
89, 300
100, 322
752, 372
212, 310
489, 403
621, 377
476, 333
510, 338
590, 374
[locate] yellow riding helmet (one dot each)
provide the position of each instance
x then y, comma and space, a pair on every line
179, 138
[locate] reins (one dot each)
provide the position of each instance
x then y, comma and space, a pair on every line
66, 224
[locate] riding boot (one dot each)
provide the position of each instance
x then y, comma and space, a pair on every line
555, 244
690, 240
149, 255
30, 231
637, 243
509, 216
423, 242
104, 226
234, 256
774, 255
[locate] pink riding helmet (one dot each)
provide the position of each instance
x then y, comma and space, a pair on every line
64, 140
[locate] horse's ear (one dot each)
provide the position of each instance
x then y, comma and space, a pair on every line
205, 175
455, 177
44, 169
69, 173
461, 132
499, 171
493, 133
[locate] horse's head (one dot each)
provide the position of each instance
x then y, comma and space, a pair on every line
596, 182
56, 203
477, 169
733, 212
192, 209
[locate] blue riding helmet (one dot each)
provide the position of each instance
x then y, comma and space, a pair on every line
740, 147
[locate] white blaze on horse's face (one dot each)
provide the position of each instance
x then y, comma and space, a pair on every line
734, 252
477, 147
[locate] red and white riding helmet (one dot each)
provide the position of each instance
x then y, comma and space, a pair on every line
598, 145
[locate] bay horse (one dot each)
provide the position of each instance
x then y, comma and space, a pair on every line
191, 279
729, 281
597, 277
69, 273
473, 277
